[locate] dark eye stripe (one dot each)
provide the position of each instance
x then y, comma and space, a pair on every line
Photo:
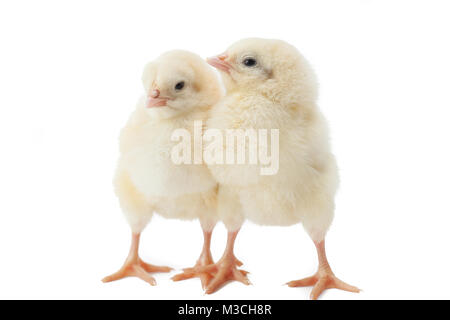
179, 85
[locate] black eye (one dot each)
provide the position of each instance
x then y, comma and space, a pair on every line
179, 85
249, 62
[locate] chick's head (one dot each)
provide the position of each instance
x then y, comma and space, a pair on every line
268, 66
178, 82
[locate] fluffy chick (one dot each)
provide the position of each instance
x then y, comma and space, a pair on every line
271, 86
180, 88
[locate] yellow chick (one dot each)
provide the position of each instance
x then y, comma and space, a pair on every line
271, 86
180, 88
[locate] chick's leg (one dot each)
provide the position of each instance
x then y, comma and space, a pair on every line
205, 259
135, 267
225, 269
324, 277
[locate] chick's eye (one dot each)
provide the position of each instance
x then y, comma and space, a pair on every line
179, 85
249, 62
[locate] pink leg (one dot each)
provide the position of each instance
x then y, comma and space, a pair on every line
324, 277
204, 260
225, 269
135, 267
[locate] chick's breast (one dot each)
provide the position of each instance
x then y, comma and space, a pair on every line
303, 188
236, 112
147, 159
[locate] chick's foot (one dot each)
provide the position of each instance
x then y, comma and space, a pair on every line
189, 273
324, 277
322, 280
138, 269
135, 267
226, 269
205, 259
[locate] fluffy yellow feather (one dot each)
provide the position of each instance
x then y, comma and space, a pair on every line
271, 86
180, 88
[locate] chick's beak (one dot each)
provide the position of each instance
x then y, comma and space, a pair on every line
220, 62
154, 100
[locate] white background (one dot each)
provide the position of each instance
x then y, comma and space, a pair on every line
70, 75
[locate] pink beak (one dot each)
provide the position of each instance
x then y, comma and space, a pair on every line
220, 63
153, 100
